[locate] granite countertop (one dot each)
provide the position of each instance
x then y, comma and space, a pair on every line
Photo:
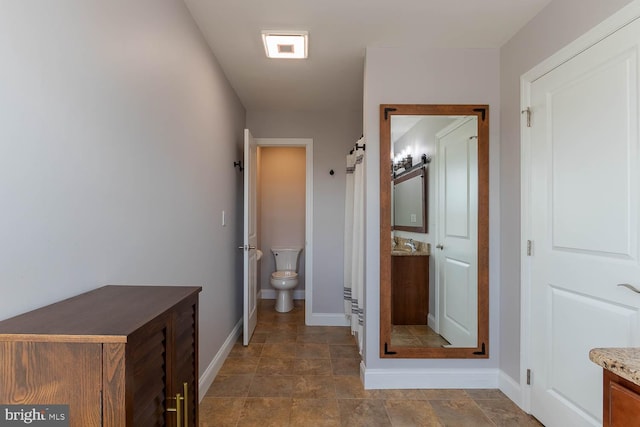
409, 253
624, 362
400, 249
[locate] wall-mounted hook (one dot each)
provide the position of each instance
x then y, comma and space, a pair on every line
331, 172
238, 165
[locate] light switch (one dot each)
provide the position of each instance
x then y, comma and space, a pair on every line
413, 218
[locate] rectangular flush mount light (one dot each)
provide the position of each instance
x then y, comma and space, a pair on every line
286, 44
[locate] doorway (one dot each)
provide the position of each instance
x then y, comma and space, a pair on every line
284, 210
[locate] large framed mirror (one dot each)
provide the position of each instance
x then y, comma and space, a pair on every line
434, 277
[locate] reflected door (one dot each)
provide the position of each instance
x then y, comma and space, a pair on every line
458, 234
584, 222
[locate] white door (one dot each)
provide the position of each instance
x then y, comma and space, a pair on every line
458, 234
250, 312
584, 225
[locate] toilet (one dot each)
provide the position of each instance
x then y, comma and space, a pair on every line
285, 278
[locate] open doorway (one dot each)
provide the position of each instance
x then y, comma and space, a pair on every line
284, 210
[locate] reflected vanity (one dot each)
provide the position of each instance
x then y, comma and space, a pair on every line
434, 303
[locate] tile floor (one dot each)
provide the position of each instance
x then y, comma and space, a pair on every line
416, 336
297, 375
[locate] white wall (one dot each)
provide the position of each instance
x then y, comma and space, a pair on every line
426, 76
561, 22
118, 131
333, 133
282, 182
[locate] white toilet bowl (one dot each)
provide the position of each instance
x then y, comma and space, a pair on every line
284, 282
285, 278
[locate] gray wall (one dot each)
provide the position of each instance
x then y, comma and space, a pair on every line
426, 76
561, 22
333, 133
117, 136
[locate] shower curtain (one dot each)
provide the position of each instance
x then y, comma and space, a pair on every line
354, 241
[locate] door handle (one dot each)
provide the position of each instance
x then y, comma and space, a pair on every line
247, 248
628, 286
439, 247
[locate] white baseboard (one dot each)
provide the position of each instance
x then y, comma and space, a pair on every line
271, 294
326, 319
429, 378
511, 389
431, 322
214, 367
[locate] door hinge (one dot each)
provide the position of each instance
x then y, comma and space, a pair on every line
528, 112
529, 247
528, 376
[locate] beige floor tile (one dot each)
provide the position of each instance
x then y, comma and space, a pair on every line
266, 412
315, 413
281, 337
312, 351
391, 394
337, 351
307, 376
272, 386
279, 351
269, 366
230, 386
463, 413
414, 413
239, 366
363, 412
220, 411
312, 338
486, 394
349, 387
505, 413
340, 337
345, 367
312, 367
315, 330
239, 350
314, 387
445, 394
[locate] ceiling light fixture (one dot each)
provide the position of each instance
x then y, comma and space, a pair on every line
286, 44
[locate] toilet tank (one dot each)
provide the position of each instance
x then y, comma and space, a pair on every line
286, 258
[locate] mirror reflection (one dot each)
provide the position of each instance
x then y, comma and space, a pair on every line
409, 200
433, 238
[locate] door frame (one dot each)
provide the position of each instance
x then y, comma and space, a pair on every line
307, 144
624, 16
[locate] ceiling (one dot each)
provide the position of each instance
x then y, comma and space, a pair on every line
339, 32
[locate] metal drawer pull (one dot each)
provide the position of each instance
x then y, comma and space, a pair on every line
182, 406
185, 387
628, 286
178, 409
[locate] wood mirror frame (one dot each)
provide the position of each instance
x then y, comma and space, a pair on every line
387, 350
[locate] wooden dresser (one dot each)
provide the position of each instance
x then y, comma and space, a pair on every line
118, 356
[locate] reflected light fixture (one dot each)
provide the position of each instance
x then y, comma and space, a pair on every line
286, 44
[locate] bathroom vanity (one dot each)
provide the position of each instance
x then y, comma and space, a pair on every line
410, 276
621, 385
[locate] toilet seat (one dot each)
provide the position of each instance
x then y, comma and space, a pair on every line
283, 275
